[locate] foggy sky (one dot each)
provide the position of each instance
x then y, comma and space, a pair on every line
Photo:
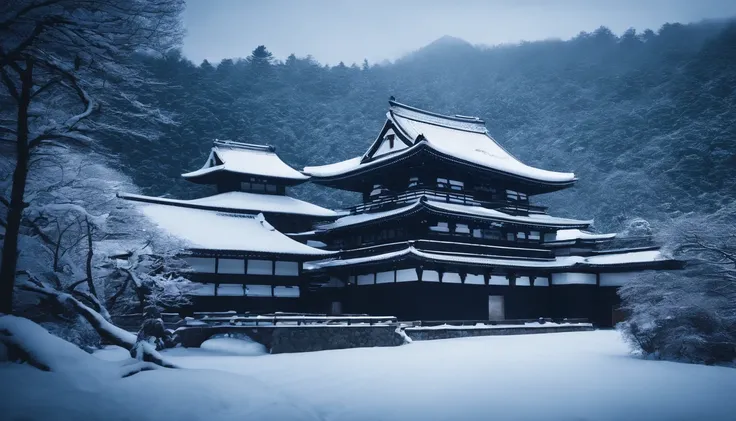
351, 30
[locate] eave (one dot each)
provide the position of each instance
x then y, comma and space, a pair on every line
430, 208
317, 213
219, 174
357, 178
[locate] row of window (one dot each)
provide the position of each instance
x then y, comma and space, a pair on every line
257, 187
240, 290
443, 228
453, 185
243, 266
413, 275
516, 196
486, 233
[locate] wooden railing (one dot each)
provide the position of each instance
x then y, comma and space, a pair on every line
407, 197
294, 319
420, 323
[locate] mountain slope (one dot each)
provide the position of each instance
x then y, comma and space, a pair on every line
647, 121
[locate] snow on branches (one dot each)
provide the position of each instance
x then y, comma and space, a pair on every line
84, 252
61, 63
690, 314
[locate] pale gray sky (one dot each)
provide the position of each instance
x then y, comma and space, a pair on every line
351, 30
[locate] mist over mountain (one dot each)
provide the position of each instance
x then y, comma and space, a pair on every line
647, 121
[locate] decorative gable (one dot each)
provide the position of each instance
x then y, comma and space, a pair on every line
388, 141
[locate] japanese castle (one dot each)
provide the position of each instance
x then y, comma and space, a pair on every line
446, 231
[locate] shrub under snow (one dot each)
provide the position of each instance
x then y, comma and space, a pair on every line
688, 315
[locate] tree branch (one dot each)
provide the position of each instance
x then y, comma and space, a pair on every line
104, 328
12, 89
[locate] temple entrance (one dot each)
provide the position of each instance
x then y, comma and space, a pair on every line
336, 308
496, 310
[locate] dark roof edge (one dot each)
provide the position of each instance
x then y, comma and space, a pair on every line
243, 145
457, 117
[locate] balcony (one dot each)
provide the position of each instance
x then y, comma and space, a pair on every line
385, 202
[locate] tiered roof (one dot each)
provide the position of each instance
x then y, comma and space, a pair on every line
219, 231
242, 202
459, 139
244, 160
476, 212
411, 251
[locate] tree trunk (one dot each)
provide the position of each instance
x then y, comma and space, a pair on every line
15, 211
90, 253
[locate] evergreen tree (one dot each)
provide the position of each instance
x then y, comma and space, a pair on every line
261, 56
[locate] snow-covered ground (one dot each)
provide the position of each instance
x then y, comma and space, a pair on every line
558, 376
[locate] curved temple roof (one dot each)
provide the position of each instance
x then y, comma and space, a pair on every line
462, 138
244, 159
558, 263
441, 207
242, 202
203, 229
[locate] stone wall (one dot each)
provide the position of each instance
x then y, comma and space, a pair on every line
283, 339
428, 334
286, 339
319, 338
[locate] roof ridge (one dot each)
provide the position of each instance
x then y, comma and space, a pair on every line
456, 117
243, 145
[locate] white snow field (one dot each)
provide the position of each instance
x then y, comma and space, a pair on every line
558, 376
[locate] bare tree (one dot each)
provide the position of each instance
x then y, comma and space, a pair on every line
61, 62
85, 253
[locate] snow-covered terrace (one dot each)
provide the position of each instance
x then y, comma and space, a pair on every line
558, 376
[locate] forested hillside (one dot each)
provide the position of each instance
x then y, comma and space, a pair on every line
647, 121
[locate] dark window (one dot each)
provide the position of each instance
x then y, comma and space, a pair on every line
491, 234
456, 185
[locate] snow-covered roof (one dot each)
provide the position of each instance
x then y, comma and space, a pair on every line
472, 211
204, 229
625, 257
463, 138
246, 159
559, 262
238, 201
576, 234
532, 219
362, 218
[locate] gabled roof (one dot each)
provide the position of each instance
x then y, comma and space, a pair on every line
432, 206
209, 230
459, 138
242, 202
244, 159
559, 263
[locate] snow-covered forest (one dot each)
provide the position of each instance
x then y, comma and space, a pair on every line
97, 98
646, 120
